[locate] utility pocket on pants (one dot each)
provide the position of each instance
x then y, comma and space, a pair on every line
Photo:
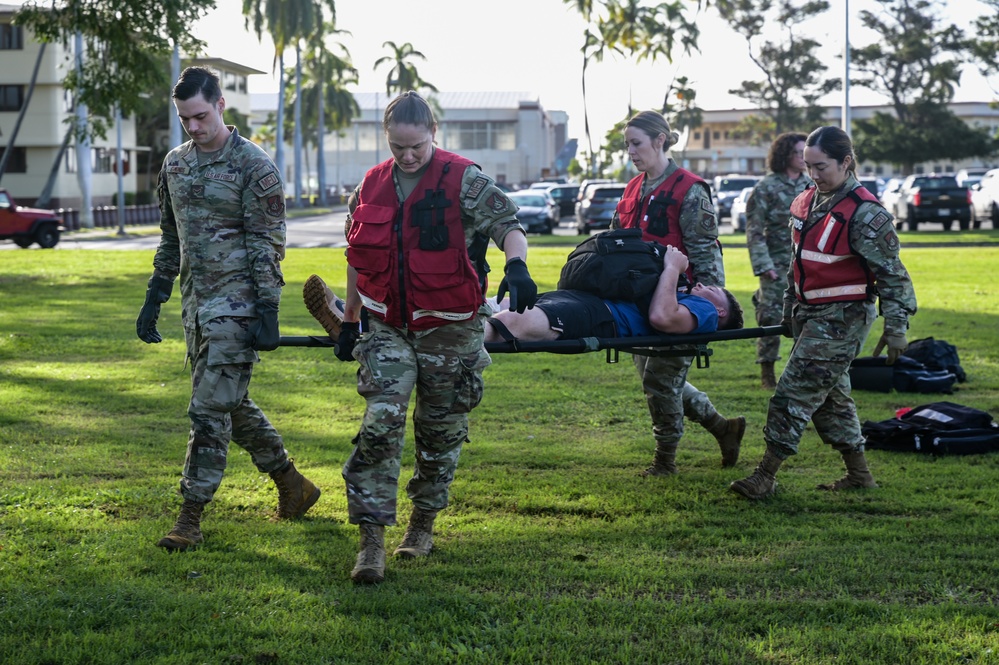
229, 366
469, 386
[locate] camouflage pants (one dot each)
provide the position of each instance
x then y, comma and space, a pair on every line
769, 303
696, 405
221, 409
444, 367
815, 384
664, 381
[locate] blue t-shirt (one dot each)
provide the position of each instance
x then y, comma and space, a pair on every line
632, 322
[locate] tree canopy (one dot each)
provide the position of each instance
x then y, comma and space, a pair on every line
125, 42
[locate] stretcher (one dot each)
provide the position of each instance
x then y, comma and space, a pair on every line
656, 345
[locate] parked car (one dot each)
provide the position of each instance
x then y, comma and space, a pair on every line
965, 176
26, 226
725, 188
933, 198
872, 184
738, 211
536, 210
565, 197
890, 193
584, 186
596, 211
985, 200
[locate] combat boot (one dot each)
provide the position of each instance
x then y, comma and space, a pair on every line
296, 493
729, 433
323, 305
663, 462
763, 482
767, 378
370, 566
419, 538
857, 475
186, 533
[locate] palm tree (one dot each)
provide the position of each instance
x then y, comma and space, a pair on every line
325, 101
285, 20
403, 75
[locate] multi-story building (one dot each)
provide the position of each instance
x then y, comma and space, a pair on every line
38, 148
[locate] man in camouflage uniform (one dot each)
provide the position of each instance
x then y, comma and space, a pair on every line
768, 236
223, 231
417, 233
667, 392
846, 255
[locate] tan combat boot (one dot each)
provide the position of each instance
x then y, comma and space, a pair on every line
419, 538
186, 533
767, 378
296, 493
663, 462
370, 566
729, 433
857, 475
763, 482
323, 305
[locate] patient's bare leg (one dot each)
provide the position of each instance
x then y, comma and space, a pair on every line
531, 326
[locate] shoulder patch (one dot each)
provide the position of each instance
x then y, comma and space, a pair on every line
476, 188
275, 205
891, 241
268, 181
496, 202
707, 207
879, 220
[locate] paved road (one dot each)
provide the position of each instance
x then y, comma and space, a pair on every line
325, 230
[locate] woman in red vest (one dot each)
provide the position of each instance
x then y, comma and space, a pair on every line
673, 206
845, 257
417, 234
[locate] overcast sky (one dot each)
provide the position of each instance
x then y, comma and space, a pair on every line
534, 46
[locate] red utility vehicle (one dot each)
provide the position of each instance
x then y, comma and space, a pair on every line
28, 225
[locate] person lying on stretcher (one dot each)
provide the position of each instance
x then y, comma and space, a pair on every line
571, 314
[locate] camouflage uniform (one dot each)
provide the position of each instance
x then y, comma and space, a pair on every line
443, 364
664, 379
223, 232
768, 236
815, 384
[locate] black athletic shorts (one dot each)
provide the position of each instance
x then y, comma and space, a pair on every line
577, 314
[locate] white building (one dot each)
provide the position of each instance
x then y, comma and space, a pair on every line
43, 128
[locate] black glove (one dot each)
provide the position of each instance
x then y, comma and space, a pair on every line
786, 328
523, 290
344, 347
266, 336
157, 292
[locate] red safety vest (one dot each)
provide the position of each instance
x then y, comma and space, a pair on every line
412, 262
826, 269
658, 214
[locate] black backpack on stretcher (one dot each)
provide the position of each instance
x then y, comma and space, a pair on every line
938, 428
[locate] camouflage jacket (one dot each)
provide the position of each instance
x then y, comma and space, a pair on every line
873, 238
699, 227
768, 234
223, 226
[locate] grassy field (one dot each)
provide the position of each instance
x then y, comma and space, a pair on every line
553, 550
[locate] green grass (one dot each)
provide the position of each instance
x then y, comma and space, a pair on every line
553, 550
